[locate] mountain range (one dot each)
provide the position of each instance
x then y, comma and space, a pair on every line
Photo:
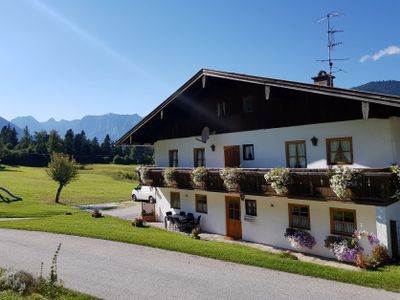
390, 87
94, 126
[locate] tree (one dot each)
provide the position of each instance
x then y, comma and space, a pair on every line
26, 139
69, 142
106, 145
62, 169
55, 142
41, 138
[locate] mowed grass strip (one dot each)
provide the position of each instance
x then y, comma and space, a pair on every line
95, 184
109, 228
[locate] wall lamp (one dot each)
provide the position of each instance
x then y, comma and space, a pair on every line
314, 141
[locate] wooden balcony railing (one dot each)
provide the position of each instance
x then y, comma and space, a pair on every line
375, 186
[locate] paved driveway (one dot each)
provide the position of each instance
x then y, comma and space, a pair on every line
121, 271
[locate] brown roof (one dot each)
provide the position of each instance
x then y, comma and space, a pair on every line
383, 99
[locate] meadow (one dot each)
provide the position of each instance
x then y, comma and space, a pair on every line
95, 184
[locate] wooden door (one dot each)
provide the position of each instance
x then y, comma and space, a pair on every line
232, 156
233, 223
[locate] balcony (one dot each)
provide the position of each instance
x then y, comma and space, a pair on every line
375, 186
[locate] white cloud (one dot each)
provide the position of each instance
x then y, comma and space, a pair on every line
364, 58
391, 50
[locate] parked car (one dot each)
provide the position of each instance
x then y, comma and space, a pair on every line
144, 193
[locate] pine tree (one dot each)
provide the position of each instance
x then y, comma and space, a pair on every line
106, 145
26, 139
69, 142
40, 141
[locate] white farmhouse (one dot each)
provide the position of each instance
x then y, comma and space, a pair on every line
220, 119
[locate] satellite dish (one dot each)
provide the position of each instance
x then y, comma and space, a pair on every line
205, 135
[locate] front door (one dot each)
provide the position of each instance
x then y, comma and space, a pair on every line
232, 156
233, 223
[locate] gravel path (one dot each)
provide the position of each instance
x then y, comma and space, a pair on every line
114, 270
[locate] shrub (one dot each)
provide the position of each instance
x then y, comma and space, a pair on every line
279, 178
199, 177
119, 160
18, 281
231, 178
381, 254
169, 175
341, 178
299, 238
288, 255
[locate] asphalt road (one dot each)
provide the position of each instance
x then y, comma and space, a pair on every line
113, 270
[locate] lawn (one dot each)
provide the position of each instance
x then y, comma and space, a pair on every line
81, 224
96, 184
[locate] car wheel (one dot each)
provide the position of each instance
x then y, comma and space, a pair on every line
134, 198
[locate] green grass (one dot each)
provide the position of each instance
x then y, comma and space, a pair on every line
109, 228
96, 184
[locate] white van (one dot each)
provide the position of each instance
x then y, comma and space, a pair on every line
144, 193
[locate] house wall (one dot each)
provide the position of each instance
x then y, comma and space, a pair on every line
272, 217
376, 143
383, 217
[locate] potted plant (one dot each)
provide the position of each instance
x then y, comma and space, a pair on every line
279, 178
145, 175
169, 175
96, 213
396, 171
341, 179
138, 222
199, 177
231, 178
344, 249
299, 238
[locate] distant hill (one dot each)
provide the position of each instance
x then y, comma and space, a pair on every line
4, 122
94, 126
390, 87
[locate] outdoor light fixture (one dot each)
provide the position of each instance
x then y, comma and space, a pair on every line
314, 141
212, 147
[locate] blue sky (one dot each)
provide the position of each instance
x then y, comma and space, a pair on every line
69, 58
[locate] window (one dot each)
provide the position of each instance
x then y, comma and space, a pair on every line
199, 157
248, 152
175, 200
248, 104
296, 154
173, 158
221, 109
251, 207
339, 151
343, 221
201, 204
299, 216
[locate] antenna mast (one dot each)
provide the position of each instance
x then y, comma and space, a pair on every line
331, 40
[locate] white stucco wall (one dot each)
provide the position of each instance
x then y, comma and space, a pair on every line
376, 143
383, 217
272, 217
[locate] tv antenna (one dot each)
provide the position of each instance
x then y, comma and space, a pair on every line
331, 42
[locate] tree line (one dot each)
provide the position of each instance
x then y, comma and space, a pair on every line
35, 149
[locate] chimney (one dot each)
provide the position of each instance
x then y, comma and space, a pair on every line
323, 79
